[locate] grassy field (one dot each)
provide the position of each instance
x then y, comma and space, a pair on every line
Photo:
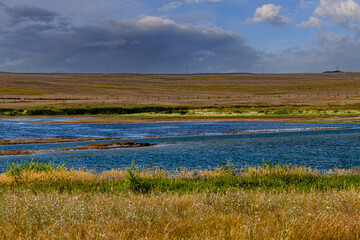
45, 201
161, 96
81, 90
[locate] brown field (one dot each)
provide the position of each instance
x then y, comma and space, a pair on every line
65, 90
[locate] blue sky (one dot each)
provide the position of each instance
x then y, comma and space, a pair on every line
164, 36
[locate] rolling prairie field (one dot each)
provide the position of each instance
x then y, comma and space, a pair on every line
35, 90
176, 97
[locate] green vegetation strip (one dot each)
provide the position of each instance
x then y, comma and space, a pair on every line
87, 111
11, 91
46, 177
247, 111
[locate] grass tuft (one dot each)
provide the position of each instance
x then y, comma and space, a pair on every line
16, 169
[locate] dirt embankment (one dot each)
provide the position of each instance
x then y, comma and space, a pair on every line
93, 146
54, 140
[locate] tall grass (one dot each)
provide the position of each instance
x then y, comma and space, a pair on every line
264, 202
16, 169
234, 214
46, 177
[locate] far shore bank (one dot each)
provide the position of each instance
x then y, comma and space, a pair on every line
119, 119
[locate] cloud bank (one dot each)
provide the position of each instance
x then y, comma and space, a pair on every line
46, 42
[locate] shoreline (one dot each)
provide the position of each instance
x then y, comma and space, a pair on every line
116, 119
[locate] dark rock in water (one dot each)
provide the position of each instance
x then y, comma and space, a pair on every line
108, 145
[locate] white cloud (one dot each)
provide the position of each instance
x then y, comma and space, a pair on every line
312, 23
338, 11
170, 6
270, 13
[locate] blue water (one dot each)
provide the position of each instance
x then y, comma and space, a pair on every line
322, 149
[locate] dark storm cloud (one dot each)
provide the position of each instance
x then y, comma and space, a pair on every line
150, 44
20, 13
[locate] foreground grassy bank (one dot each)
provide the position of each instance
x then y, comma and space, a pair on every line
247, 111
45, 177
43, 201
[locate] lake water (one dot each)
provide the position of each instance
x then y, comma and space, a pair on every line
322, 149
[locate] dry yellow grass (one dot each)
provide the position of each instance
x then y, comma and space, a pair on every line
235, 214
29, 211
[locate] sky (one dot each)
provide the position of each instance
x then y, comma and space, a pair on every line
181, 36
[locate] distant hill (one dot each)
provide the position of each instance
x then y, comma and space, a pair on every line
336, 71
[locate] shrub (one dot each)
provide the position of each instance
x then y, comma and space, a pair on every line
134, 182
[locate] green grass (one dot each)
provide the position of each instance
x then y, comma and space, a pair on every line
240, 111
45, 177
87, 111
16, 169
22, 91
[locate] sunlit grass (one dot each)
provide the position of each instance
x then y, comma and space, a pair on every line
11, 91
248, 113
111, 87
270, 206
286, 88
48, 177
